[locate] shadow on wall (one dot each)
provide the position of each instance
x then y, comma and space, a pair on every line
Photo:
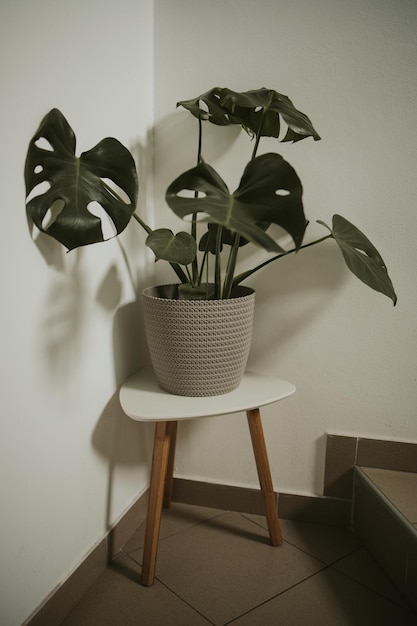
124, 443
62, 320
120, 440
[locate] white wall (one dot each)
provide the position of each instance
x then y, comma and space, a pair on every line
71, 464
352, 67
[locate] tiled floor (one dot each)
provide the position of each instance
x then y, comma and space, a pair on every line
217, 567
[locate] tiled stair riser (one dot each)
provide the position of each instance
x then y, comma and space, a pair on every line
388, 535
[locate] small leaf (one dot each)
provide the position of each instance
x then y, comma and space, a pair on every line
208, 240
361, 257
207, 107
180, 248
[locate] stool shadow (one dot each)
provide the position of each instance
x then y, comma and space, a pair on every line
123, 443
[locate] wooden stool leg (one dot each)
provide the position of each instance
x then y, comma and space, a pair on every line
264, 473
156, 494
172, 427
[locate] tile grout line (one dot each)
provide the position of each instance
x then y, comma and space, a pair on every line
277, 595
358, 582
161, 582
179, 532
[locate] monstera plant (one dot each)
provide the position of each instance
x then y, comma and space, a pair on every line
63, 188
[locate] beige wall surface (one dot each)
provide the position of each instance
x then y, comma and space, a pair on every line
352, 67
71, 330
71, 463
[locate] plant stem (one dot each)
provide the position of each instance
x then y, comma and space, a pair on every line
203, 265
145, 227
231, 266
217, 267
195, 277
238, 279
258, 134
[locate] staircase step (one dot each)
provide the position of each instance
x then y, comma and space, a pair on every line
385, 518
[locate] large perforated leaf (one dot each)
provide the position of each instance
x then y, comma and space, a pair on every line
58, 179
269, 191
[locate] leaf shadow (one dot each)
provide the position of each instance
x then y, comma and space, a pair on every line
62, 320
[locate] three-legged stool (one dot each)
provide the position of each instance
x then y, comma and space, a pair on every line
142, 399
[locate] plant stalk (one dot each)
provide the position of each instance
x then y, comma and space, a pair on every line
195, 271
217, 267
231, 266
238, 279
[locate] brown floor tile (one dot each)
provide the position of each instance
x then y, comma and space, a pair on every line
116, 599
326, 543
177, 518
226, 566
363, 568
328, 599
218, 568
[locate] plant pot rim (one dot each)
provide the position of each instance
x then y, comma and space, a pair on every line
170, 292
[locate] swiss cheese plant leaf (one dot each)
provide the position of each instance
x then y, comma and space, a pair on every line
258, 111
55, 176
207, 107
269, 191
180, 248
361, 256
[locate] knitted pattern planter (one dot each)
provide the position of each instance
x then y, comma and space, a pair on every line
198, 347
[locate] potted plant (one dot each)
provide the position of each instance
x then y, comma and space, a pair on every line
61, 187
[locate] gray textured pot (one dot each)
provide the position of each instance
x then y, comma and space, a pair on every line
198, 347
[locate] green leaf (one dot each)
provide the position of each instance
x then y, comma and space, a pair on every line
269, 191
208, 240
180, 248
75, 182
361, 257
259, 113
207, 107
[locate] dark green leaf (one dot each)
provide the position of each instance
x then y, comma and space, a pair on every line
208, 241
269, 192
75, 182
361, 257
259, 113
180, 248
207, 107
